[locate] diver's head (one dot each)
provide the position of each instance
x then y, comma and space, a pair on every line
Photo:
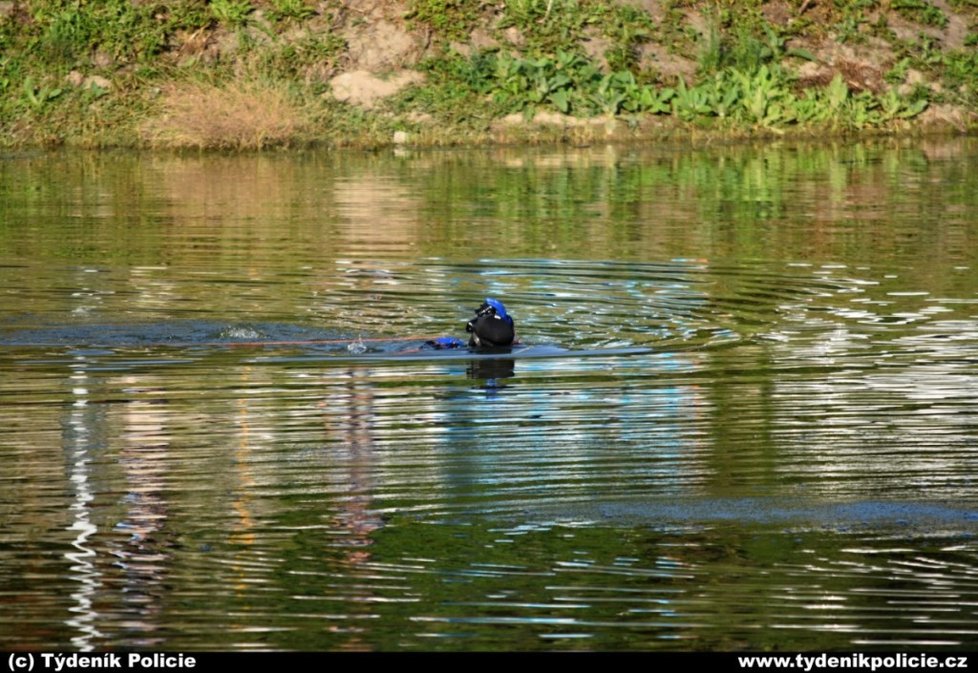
491, 326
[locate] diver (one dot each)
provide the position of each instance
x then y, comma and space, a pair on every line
492, 327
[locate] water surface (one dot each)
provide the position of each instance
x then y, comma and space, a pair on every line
746, 417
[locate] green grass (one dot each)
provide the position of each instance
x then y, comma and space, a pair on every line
955, 69
232, 13
448, 19
291, 10
581, 58
569, 83
64, 33
304, 57
920, 11
498, 84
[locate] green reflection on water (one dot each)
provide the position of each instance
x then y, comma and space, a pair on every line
808, 313
725, 204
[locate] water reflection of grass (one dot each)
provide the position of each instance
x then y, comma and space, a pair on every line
725, 202
721, 204
609, 502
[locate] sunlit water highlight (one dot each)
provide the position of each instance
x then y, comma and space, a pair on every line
744, 415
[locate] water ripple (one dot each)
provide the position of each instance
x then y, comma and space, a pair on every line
744, 417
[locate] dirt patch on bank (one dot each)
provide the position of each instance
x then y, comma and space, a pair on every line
363, 88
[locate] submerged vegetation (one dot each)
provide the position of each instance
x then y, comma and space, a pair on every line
259, 73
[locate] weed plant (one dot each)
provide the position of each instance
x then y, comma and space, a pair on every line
582, 58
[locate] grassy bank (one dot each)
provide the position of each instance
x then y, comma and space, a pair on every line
265, 73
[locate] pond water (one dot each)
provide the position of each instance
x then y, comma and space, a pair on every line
746, 416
